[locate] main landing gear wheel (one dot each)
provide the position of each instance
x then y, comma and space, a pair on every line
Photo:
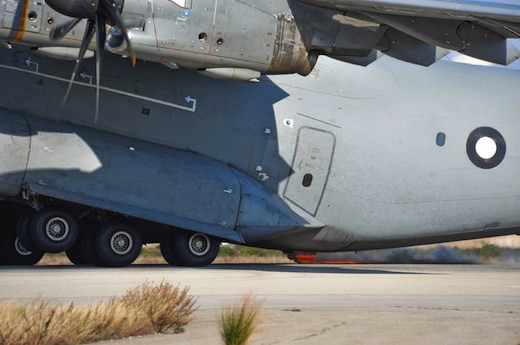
23, 229
186, 248
88, 246
83, 251
54, 230
14, 253
3, 237
118, 245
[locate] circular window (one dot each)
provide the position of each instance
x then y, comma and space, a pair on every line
486, 147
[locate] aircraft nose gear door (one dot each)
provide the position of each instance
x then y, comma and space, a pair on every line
311, 165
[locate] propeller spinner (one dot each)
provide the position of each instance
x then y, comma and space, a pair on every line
98, 13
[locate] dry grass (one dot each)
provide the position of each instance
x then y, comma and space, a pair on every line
48, 260
237, 322
43, 323
167, 308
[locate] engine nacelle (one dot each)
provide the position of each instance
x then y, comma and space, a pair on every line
226, 34
245, 35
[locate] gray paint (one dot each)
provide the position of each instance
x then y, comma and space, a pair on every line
310, 168
389, 181
381, 178
15, 150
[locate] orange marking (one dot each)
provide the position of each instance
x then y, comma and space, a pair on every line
302, 258
21, 29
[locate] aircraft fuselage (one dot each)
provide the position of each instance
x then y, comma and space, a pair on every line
348, 158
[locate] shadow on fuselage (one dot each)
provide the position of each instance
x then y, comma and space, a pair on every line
165, 144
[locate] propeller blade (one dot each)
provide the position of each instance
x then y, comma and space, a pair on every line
100, 46
87, 38
58, 32
98, 13
111, 8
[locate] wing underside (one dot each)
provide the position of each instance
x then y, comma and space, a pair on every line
421, 31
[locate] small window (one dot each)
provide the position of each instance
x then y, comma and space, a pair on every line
441, 139
307, 180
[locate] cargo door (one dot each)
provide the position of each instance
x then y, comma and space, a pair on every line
310, 168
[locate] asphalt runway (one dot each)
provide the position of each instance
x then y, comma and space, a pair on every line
310, 304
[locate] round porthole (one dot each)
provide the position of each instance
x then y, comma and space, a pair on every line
486, 147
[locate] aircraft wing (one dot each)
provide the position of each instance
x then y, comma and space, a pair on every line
414, 29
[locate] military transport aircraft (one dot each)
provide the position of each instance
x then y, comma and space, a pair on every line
211, 136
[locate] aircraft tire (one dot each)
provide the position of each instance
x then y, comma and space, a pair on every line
14, 253
88, 247
118, 245
3, 255
5, 227
186, 248
54, 230
23, 229
77, 253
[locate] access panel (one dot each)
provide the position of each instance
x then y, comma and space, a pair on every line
310, 168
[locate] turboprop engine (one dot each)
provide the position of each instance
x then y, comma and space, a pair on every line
227, 39
205, 35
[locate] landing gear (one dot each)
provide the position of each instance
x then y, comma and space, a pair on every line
83, 251
54, 230
23, 229
12, 251
186, 248
117, 244
75, 253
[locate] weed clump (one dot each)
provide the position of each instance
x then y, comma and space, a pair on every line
237, 322
167, 308
45, 323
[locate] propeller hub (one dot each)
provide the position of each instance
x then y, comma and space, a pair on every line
75, 8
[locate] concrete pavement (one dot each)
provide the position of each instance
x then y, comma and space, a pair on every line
314, 304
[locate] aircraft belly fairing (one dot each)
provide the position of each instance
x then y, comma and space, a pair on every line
148, 181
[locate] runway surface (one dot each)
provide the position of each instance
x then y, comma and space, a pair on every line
337, 304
